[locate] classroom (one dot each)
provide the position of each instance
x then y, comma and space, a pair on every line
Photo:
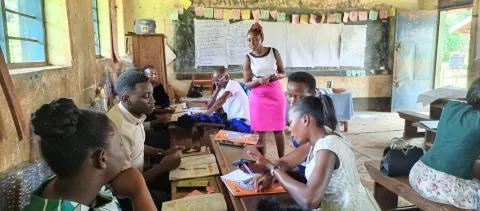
239, 105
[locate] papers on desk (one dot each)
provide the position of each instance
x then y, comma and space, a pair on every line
241, 184
444, 92
205, 202
195, 166
237, 137
427, 124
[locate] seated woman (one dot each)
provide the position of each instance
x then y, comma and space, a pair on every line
83, 149
332, 178
448, 172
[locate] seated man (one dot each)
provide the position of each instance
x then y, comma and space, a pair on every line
448, 172
230, 96
83, 149
136, 101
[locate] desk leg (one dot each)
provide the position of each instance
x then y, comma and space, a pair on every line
386, 199
345, 126
409, 131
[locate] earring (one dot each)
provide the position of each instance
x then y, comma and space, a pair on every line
104, 165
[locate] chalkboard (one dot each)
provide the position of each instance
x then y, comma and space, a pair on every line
376, 51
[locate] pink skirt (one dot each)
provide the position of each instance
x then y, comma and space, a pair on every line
268, 107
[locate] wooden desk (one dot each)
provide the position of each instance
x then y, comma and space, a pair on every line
213, 181
225, 156
429, 135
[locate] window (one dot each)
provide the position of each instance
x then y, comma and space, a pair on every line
22, 32
96, 31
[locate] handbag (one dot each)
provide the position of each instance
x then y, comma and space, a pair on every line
398, 160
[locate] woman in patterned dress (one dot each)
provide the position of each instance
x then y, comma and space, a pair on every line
83, 149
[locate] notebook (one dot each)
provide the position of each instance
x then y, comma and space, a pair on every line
216, 202
241, 184
195, 166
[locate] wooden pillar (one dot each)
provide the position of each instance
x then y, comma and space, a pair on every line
473, 62
82, 42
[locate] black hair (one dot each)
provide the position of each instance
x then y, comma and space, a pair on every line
69, 134
256, 30
473, 94
127, 81
321, 108
303, 77
221, 69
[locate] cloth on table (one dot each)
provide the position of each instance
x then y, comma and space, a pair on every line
343, 104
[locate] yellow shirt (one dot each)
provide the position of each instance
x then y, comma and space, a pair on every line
132, 133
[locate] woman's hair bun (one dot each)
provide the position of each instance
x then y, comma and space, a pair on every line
58, 118
257, 26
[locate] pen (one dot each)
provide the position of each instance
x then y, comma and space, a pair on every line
249, 173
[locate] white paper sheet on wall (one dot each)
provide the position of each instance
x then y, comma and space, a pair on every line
352, 48
299, 45
169, 54
210, 42
237, 43
326, 39
276, 36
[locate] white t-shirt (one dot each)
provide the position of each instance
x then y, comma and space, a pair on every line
236, 106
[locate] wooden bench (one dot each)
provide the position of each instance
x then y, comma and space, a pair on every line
411, 117
387, 189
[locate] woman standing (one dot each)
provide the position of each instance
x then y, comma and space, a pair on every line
262, 69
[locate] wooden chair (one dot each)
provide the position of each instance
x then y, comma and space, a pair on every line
204, 80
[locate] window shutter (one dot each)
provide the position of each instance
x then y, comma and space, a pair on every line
445, 4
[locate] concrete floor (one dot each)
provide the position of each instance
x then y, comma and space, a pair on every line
369, 133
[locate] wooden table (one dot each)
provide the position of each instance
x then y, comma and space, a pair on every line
225, 156
213, 181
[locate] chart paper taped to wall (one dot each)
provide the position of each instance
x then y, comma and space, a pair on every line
352, 48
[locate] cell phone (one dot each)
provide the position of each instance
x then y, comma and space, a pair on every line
233, 144
192, 183
242, 161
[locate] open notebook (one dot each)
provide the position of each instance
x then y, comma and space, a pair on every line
195, 166
205, 202
241, 184
237, 137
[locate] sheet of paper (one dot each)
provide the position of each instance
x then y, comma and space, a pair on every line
218, 13
331, 18
313, 19
299, 46
179, 8
373, 15
304, 19
195, 166
281, 17
264, 14
216, 202
363, 15
186, 3
353, 16
443, 92
169, 54
352, 47
210, 42
256, 14
295, 19
345, 17
392, 12
338, 17
274, 14
227, 14
237, 44
430, 124
199, 11
209, 12
173, 15
237, 175
246, 15
383, 14
326, 47
276, 36
236, 14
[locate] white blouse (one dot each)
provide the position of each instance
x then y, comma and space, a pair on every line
264, 65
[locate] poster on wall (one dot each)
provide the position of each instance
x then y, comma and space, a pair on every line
210, 42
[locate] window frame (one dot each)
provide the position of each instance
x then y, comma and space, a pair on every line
99, 55
7, 37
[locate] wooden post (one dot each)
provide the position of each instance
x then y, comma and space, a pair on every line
12, 101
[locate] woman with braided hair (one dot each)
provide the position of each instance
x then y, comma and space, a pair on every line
83, 149
262, 70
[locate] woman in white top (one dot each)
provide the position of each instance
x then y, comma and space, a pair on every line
332, 178
262, 70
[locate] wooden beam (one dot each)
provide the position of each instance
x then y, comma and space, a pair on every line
113, 30
12, 101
